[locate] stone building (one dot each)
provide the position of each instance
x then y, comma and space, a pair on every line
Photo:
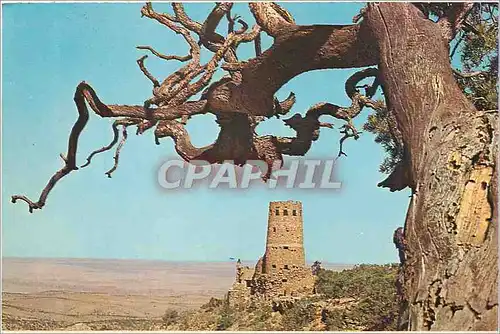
282, 270
285, 238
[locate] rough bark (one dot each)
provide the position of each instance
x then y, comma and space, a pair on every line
450, 276
324, 46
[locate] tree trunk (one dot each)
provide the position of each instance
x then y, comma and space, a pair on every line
450, 275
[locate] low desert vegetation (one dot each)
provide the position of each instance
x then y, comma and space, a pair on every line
361, 298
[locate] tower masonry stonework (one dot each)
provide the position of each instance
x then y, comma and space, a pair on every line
285, 238
282, 270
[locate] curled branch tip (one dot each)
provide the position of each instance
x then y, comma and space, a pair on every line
116, 158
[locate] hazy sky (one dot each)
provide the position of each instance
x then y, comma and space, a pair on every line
49, 48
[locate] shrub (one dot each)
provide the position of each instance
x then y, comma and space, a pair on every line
171, 316
212, 304
300, 315
226, 318
374, 288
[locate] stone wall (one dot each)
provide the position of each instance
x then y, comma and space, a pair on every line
241, 289
295, 282
238, 294
244, 275
285, 238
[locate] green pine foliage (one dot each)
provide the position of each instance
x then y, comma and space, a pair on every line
383, 125
478, 44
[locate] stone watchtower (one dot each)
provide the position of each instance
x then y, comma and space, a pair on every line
285, 238
282, 270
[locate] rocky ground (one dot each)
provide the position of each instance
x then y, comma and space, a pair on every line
302, 314
25, 324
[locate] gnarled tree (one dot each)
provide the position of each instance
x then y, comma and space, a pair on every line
448, 148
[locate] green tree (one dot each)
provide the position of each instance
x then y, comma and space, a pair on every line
373, 289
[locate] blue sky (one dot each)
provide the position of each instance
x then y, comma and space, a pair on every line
49, 48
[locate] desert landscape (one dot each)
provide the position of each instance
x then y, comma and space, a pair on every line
85, 294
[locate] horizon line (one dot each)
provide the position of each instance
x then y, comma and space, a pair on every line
154, 259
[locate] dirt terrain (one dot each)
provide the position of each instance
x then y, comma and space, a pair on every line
56, 293
84, 294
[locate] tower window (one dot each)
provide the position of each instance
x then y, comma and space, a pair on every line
274, 266
277, 212
284, 280
285, 247
286, 266
285, 212
274, 229
294, 212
